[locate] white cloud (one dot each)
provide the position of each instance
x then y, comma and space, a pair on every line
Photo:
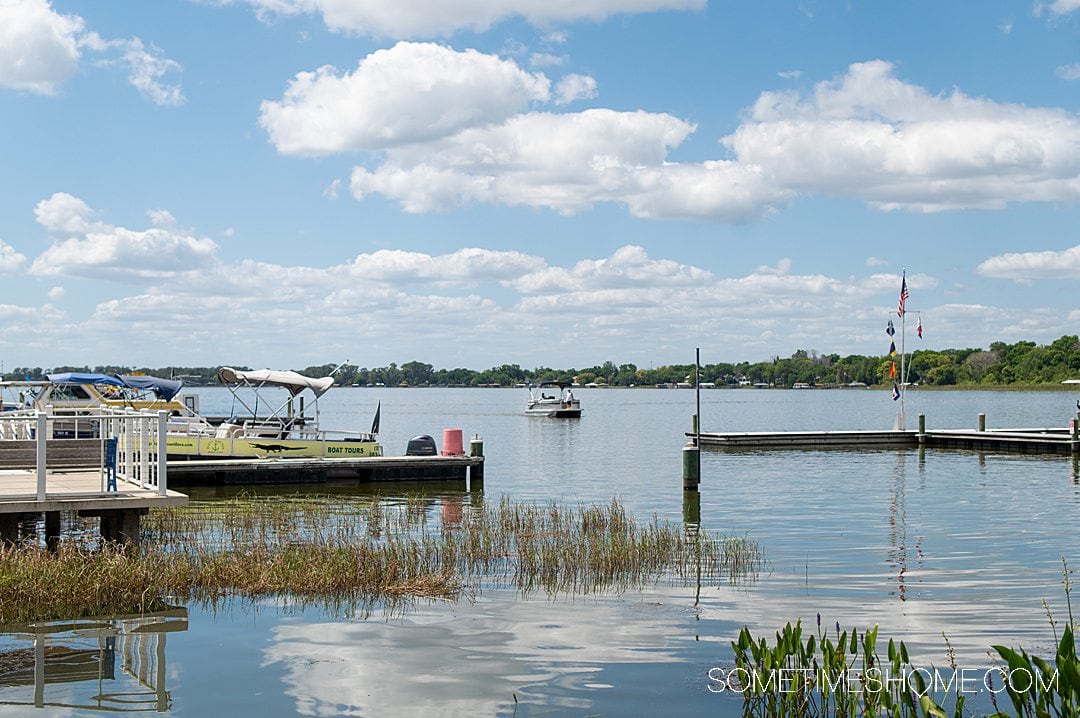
1064, 7
1027, 266
11, 261
445, 128
493, 297
543, 59
96, 249
790, 74
63, 213
430, 18
566, 162
575, 87
782, 267
147, 70
40, 49
1069, 72
628, 267
606, 302
412, 92
875, 262
56, 294
464, 267
871, 136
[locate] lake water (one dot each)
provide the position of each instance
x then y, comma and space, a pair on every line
922, 544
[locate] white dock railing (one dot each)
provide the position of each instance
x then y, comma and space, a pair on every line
132, 444
140, 447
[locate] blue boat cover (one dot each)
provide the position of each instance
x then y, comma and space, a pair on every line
73, 377
165, 389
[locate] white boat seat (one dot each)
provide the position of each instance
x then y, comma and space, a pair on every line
228, 431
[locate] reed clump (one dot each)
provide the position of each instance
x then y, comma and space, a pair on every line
826, 674
333, 550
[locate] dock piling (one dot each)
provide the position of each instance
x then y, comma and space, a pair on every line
982, 422
476, 471
1074, 445
691, 466
9, 529
52, 530
922, 429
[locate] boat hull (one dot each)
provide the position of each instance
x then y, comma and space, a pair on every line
557, 411
223, 448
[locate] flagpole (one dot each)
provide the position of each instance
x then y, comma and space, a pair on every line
903, 367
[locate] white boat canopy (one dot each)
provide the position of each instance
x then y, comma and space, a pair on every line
290, 380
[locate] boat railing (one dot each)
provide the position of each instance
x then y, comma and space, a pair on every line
190, 426
17, 425
335, 435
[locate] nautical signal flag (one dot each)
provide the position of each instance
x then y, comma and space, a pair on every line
892, 370
903, 296
918, 328
895, 391
890, 329
892, 348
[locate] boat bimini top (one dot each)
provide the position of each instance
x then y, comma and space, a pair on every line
294, 382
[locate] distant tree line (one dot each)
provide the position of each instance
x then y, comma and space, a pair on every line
1002, 364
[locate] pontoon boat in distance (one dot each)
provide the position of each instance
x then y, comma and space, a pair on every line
560, 403
287, 431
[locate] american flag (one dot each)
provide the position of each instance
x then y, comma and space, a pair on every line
903, 296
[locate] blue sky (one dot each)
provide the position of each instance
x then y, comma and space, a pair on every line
293, 182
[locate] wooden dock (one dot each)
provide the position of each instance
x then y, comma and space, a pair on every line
1061, 441
215, 472
69, 454
118, 479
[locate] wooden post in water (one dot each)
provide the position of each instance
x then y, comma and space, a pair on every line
52, 530
691, 467
9, 529
476, 471
1074, 445
922, 429
691, 464
982, 422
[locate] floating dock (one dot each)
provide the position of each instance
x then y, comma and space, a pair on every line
1062, 441
216, 472
70, 454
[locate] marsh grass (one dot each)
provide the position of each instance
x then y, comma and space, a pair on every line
333, 551
826, 674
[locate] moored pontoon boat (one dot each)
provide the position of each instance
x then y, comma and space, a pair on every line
285, 431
